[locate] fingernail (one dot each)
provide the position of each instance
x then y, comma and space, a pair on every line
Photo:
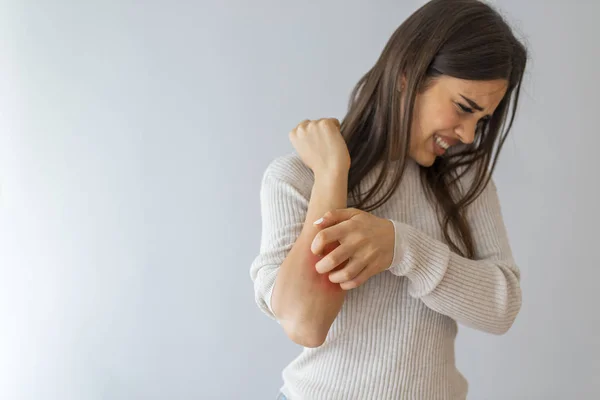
322, 265
319, 221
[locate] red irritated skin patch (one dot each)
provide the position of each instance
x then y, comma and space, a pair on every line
323, 279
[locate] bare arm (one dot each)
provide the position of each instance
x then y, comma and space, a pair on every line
296, 191
305, 302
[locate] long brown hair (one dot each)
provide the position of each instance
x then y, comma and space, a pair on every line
465, 39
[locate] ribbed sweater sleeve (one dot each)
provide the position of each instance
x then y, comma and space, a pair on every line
284, 198
483, 293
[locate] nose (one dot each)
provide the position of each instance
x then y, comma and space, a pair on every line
466, 132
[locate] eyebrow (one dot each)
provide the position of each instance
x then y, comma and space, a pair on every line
472, 103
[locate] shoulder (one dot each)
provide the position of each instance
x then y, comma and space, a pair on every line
486, 196
291, 171
487, 202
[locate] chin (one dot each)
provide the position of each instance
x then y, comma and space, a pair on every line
425, 160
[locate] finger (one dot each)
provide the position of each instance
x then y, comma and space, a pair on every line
359, 273
328, 235
349, 272
300, 127
336, 122
328, 121
337, 216
294, 131
323, 223
358, 280
336, 257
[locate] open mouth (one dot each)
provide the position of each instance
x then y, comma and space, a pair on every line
440, 145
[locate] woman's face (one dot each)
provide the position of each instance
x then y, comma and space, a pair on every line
447, 113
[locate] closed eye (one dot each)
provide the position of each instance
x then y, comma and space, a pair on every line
465, 108
469, 110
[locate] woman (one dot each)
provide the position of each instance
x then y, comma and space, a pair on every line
381, 235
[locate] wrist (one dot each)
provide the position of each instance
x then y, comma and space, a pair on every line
332, 175
330, 190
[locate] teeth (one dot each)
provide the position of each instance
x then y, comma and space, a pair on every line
442, 143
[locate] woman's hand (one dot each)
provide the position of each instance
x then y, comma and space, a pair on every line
321, 146
366, 242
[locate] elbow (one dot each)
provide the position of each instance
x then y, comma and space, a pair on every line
303, 334
298, 330
506, 319
499, 325
502, 327
311, 341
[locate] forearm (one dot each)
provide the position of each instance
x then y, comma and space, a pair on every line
484, 294
305, 302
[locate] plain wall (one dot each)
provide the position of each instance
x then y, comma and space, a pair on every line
133, 137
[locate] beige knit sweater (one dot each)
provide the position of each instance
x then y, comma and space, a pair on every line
394, 336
